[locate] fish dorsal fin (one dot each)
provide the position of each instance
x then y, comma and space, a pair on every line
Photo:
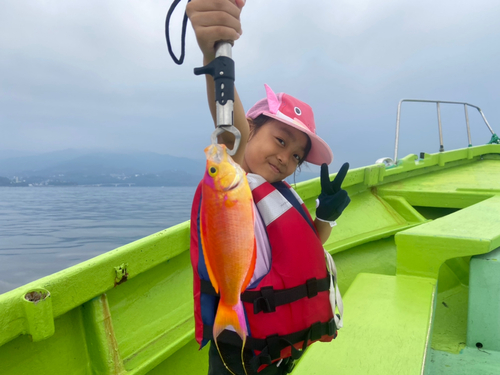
203, 231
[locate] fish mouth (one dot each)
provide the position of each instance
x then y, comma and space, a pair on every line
233, 175
236, 182
215, 153
239, 175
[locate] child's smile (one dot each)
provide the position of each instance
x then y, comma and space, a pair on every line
274, 151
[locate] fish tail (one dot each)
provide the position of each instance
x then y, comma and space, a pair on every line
231, 316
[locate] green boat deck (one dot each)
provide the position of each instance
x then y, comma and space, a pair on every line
402, 250
391, 316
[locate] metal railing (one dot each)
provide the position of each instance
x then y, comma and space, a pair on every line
441, 146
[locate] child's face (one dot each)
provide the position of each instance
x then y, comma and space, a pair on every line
274, 151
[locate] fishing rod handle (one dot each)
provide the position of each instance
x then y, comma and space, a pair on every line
222, 70
223, 49
224, 85
225, 89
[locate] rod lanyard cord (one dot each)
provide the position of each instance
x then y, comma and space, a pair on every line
179, 60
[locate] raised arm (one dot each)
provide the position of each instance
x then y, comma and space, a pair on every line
213, 21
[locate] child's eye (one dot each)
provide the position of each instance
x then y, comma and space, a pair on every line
282, 142
297, 157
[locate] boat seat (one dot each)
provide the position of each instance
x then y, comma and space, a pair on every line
471, 231
386, 329
483, 330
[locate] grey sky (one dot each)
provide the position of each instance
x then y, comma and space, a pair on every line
87, 74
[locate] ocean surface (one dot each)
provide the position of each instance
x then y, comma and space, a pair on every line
46, 229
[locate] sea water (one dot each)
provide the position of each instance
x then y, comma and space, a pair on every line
46, 229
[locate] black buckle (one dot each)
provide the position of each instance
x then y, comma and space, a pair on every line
316, 331
312, 287
331, 328
273, 346
266, 302
263, 358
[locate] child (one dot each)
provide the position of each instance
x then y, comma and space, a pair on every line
287, 303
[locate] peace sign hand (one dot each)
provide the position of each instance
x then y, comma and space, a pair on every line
332, 199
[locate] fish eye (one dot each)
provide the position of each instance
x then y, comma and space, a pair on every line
212, 171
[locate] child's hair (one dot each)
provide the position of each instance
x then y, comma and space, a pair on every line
261, 120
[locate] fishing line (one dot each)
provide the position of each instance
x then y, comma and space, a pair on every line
224, 362
242, 359
179, 60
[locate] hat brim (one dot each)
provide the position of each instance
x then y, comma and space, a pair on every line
320, 151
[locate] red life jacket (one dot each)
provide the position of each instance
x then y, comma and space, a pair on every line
290, 306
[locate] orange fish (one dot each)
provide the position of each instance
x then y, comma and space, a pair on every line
227, 236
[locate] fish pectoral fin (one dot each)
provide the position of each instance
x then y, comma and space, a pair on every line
211, 275
251, 269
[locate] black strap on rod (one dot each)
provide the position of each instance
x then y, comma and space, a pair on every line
179, 60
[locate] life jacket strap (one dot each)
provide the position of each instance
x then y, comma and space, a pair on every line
270, 348
267, 298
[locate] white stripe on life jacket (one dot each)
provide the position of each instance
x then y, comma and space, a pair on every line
272, 206
254, 180
297, 196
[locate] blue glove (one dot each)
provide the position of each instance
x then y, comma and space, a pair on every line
332, 199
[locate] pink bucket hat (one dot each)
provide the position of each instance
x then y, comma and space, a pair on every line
297, 114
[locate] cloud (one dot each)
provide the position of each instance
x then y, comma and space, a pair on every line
97, 74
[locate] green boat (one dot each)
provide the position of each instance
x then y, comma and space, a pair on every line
417, 255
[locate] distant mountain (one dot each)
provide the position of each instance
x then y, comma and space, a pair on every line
84, 167
28, 164
7, 154
106, 168
4, 181
97, 163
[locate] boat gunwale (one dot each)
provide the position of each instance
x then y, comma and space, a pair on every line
159, 247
